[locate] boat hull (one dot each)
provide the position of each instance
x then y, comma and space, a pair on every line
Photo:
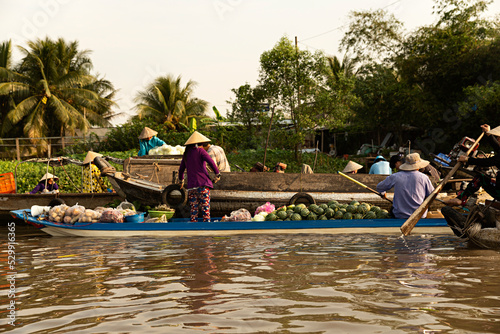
183, 227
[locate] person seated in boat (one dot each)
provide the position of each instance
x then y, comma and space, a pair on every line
433, 174
195, 160
92, 181
218, 155
352, 168
488, 183
380, 166
47, 184
411, 187
148, 141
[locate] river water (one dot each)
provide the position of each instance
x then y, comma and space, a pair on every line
303, 283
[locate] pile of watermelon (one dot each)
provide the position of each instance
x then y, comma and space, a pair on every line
332, 210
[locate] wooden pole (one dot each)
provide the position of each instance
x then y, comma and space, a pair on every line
268, 133
364, 186
18, 151
410, 223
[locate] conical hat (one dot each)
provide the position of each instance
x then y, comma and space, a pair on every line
196, 138
147, 132
90, 157
351, 167
495, 131
48, 176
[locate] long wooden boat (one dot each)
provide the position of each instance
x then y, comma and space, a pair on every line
183, 227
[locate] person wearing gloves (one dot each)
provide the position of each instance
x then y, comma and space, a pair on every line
352, 168
195, 160
148, 140
46, 184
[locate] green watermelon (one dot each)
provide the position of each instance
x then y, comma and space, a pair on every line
313, 207
358, 216
354, 203
304, 212
301, 205
289, 213
323, 206
347, 215
332, 202
329, 213
383, 214
319, 211
351, 209
363, 209
370, 215
290, 207
338, 215
281, 214
322, 217
271, 217
375, 209
311, 216
296, 216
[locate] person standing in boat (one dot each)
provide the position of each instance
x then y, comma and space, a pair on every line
195, 160
218, 155
92, 181
411, 187
352, 168
380, 166
46, 184
489, 184
148, 141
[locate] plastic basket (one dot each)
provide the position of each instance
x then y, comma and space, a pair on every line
138, 218
157, 214
7, 183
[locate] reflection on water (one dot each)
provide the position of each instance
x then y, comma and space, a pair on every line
349, 283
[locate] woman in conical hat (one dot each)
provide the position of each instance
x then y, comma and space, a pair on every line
195, 160
46, 184
352, 167
148, 141
92, 181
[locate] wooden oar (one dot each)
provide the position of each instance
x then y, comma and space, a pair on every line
410, 223
364, 186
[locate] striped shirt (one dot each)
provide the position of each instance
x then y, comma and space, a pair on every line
218, 155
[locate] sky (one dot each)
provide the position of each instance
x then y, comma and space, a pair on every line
216, 43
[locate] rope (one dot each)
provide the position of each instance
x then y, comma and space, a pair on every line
156, 169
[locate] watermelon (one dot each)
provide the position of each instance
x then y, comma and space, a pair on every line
304, 212
371, 215
351, 209
311, 216
313, 207
301, 205
323, 206
347, 215
354, 203
297, 209
338, 215
329, 213
322, 217
271, 217
383, 214
375, 209
358, 216
319, 211
289, 213
281, 214
363, 209
296, 216
332, 202
290, 207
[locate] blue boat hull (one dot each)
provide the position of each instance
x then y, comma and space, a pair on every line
216, 227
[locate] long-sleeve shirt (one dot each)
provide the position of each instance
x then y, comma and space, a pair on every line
146, 145
411, 188
488, 162
218, 155
195, 160
41, 186
381, 167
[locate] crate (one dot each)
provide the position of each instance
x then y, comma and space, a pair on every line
7, 183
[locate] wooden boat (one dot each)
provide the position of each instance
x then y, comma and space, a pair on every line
182, 227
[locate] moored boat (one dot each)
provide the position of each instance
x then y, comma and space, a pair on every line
216, 227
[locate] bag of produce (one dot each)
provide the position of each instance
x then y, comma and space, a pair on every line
112, 216
73, 213
56, 213
268, 207
241, 215
90, 216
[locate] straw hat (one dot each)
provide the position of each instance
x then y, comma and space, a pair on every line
48, 176
147, 132
196, 138
413, 162
90, 157
495, 131
351, 167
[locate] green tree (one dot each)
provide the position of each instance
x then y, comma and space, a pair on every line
167, 102
54, 91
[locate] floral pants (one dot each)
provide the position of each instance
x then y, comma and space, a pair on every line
199, 199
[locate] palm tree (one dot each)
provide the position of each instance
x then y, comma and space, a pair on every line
166, 101
6, 101
54, 90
